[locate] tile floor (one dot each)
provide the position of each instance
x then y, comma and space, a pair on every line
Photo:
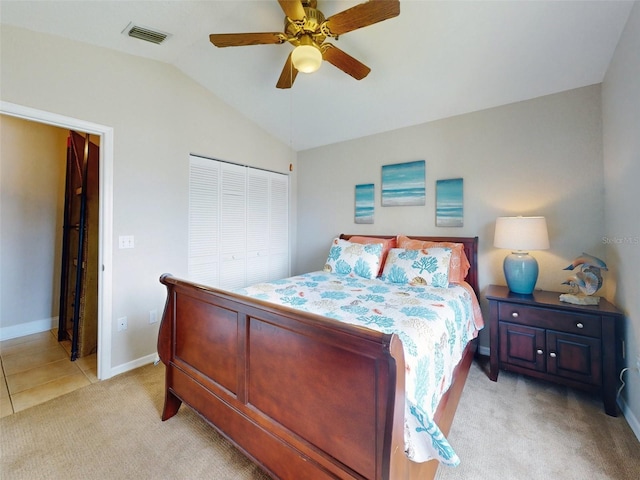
36, 368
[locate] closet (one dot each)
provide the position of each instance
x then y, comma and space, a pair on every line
238, 224
78, 318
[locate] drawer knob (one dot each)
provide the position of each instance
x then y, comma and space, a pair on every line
514, 314
579, 325
552, 355
539, 352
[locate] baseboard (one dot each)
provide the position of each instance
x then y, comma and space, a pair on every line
629, 416
29, 328
484, 351
132, 365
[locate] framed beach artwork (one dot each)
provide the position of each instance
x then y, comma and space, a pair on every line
364, 203
404, 184
449, 207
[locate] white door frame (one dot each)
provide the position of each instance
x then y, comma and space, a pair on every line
105, 247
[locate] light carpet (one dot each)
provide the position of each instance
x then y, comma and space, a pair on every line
517, 428
524, 428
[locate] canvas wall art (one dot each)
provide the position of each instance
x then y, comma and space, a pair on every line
404, 184
365, 203
449, 206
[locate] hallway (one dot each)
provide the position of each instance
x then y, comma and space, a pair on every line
36, 368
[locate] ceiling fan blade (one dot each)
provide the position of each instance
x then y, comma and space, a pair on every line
344, 62
362, 15
243, 39
288, 75
292, 9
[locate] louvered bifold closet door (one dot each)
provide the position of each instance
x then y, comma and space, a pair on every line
278, 226
233, 229
257, 226
204, 205
238, 224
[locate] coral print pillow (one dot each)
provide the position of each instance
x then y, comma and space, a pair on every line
354, 259
418, 267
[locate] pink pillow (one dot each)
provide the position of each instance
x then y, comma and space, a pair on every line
458, 265
387, 244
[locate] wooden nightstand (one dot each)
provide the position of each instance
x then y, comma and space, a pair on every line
540, 336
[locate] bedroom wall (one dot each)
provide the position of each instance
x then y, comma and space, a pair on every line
537, 157
32, 162
159, 116
621, 124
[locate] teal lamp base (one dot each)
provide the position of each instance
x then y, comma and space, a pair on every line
521, 272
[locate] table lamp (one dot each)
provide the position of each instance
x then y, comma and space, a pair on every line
520, 235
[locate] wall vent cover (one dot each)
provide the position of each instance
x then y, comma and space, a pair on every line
145, 33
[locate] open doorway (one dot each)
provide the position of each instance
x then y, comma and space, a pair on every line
105, 134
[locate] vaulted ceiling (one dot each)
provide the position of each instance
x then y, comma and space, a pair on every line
435, 60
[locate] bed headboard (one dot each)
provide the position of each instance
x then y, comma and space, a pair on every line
470, 249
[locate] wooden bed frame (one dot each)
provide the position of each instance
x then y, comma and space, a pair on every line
302, 395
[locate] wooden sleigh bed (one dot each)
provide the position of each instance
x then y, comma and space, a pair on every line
237, 362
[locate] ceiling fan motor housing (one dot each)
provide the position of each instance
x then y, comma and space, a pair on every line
310, 25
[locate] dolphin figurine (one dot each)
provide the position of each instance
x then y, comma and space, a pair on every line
574, 282
587, 260
588, 281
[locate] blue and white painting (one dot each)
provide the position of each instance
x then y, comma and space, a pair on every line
449, 211
364, 203
404, 184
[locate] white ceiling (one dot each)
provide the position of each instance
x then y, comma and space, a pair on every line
435, 60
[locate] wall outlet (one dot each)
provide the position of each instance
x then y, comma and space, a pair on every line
125, 241
153, 316
122, 324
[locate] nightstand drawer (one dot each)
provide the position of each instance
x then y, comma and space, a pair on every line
582, 324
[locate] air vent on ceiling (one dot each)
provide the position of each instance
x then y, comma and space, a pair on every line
145, 33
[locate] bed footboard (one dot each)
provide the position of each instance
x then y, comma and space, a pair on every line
302, 395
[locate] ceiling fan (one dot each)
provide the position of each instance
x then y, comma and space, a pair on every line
306, 28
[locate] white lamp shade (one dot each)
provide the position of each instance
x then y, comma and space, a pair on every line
306, 58
521, 233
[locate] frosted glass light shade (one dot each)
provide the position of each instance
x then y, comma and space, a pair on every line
519, 234
306, 58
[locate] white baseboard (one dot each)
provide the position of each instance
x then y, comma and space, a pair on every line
125, 367
632, 420
29, 328
484, 351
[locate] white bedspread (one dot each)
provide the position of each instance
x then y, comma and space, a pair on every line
434, 324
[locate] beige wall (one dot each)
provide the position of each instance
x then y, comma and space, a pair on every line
32, 166
538, 157
158, 116
621, 128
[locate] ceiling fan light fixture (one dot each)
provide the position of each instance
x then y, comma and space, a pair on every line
306, 57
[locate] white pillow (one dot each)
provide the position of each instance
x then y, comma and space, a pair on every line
418, 267
354, 259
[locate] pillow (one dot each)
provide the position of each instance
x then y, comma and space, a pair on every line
354, 259
418, 267
387, 244
459, 266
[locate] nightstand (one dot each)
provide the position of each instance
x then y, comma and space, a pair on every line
540, 336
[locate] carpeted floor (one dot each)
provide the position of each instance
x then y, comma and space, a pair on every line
112, 430
523, 428
516, 428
